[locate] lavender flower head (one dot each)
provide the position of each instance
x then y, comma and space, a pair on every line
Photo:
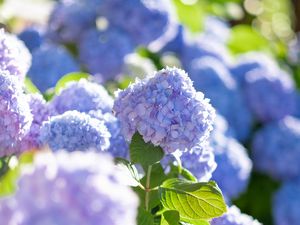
41, 112
286, 204
49, 63
70, 188
15, 116
234, 217
82, 96
75, 131
118, 145
271, 96
166, 110
276, 149
14, 56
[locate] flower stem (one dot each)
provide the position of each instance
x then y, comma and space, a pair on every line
147, 188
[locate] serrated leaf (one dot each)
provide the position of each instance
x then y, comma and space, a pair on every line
196, 201
129, 170
76, 76
170, 217
144, 217
143, 153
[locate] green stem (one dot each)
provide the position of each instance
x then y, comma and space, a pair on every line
147, 188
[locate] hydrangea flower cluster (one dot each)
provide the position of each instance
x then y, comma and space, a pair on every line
166, 110
82, 96
234, 217
212, 78
71, 188
216, 29
49, 63
15, 116
286, 204
118, 145
14, 56
41, 113
112, 45
271, 96
75, 131
33, 37
275, 149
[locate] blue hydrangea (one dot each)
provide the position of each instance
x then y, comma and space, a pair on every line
15, 116
234, 217
118, 145
103, 52
276, 149
82, 96
176, 44
41, 112
249, 62
75, 131
70, 19
212, 78
71, 188
32, 37
286, 204
49, 63
14, 56
271, 96
148, 20
166, 110
234, 165
216, 29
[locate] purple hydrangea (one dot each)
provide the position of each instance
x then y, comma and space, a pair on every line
118, 145
82, 96
70, 188
41, 113
271, 96
70, 19
252, 61
166, 110
286, 204
212, 77
75, 131
33, 37
234, 165
234, 217
15, 116
103, 52
14, 56
276, 149
49, 63
148, 20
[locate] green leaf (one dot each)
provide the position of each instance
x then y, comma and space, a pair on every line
196, 222
196, 201
144, 217
244, 38
170, 217
69, 77
157, 176
30, 87
126, 166
143, 153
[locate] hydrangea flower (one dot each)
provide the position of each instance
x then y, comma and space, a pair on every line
118, 145
15, 116
148, 20
276, 149
32, 37
166, 110
75, 131
234, 217
70, 19
249, 62
14, 56
103, 52
82, 96
41, 113
271, 96
49, 63
216, 29
286, 204
176, 44
71, 188
212, 78
234, 165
